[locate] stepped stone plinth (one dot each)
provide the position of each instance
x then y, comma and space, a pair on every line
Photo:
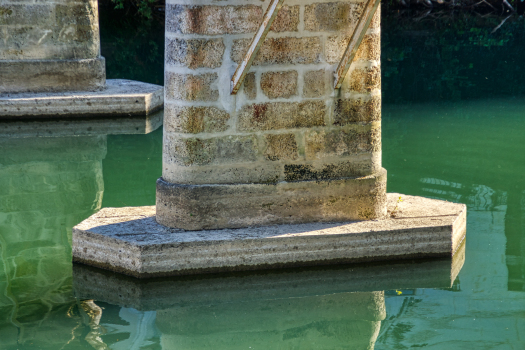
51, 67
272, 150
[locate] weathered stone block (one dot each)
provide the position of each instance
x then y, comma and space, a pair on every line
27, 14
279, 84
281, 51
333, 16
342, 141
376, 20
281, 147
314, 83
230, 173
52, 75
218, 150
363, 80
212, 20
370, 48
189, 87
355, 110
341, 167
194, 120
287, 19
21, 43
201, 207
82, 15
49, 30
282, 115
250, 86
194, 53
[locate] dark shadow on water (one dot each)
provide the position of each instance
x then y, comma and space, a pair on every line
80, 126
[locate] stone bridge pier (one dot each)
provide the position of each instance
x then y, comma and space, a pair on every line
50, 46
288, 147
50, 65
271, 150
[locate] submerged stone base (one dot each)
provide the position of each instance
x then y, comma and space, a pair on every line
120, 98
130, 241
155, 294
218, 206
143, 124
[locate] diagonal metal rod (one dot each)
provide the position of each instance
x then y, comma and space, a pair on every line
355, 41
258, 39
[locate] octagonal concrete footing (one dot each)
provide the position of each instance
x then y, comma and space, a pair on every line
130, 241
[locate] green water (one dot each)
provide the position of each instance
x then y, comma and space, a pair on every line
451, 147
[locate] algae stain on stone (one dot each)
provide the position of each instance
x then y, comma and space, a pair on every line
5, 11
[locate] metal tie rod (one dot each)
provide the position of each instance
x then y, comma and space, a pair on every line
355, 41
258, 39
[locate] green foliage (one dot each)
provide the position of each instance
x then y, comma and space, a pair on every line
458, 56
132, 44
394, 213
143, 7
485, 37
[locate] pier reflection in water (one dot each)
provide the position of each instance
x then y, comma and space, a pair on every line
330, 308
42, 127
48, 185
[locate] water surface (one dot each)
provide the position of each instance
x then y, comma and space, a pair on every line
447, 134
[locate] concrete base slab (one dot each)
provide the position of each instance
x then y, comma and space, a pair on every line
130, 241
143, 124
123, 98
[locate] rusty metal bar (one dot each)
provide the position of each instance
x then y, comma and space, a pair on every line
355, 41
258, 39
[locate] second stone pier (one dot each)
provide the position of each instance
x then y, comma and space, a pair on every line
50, 46
288, 147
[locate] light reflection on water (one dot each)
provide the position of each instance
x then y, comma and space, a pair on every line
467, 152
46, 186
